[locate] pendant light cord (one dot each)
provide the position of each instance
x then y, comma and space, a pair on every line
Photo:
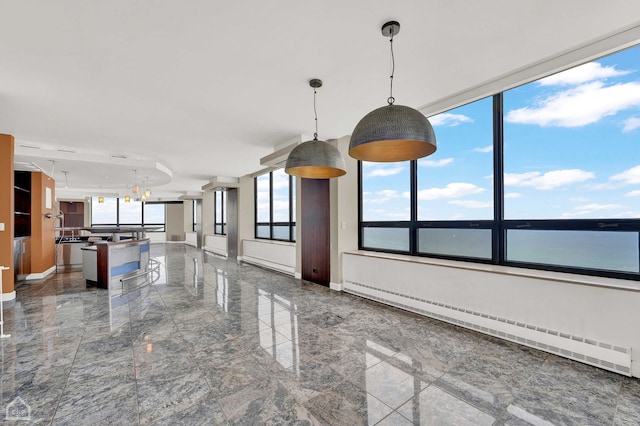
391, 99
315, 113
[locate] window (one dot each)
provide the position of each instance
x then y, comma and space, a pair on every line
220, 214
129, 213
194, 211
105, 213
545, 175
275, 206
117, 212
153, 214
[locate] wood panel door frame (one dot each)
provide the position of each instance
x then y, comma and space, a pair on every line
315, 231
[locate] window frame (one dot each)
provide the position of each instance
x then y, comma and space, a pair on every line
498, 225
142, 219
223, 222
291, 224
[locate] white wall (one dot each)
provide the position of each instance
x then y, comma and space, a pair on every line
246, 212
191, 238
208, 223
187, 216
215, 244
174, 222
276, 255
344, 213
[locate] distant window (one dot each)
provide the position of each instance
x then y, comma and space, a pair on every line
118, 212
129, 213
219, 207
105, 213
154, 215
275, 206
195, 215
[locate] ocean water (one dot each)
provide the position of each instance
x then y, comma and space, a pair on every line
609, 251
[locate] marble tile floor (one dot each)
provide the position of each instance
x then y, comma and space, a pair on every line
216, 342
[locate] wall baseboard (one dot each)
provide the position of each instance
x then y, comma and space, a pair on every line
215, 251
269, 265
335, 286
41, 275
8, 296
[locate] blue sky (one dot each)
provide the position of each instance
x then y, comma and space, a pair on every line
572, 150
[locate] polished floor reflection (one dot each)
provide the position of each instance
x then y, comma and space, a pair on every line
214, 342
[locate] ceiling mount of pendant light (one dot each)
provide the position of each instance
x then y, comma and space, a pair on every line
393, 132
315, 159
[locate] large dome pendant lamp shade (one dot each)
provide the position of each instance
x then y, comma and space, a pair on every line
315, 159
393, 132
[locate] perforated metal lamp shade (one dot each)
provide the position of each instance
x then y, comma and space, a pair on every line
315, 160
392, 133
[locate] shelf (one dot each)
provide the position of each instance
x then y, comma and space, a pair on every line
18, 188
22, 213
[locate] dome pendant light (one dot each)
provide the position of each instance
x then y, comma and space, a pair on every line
393, 132
315, 159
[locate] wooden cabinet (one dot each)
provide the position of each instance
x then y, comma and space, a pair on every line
73, 215
22, 204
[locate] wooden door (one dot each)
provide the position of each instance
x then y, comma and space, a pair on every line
315, 231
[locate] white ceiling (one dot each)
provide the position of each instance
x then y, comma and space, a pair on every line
191, 90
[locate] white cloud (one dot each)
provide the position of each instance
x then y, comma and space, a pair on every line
578, 199
579, 106
588, 209
448, 119
385, 172
472, 204
435, 163
389, 193
628, 177
280, 180
398, 215
596, 206
380, 197
549, 180
635, 193
280, 205
631, 124
488, 148
582, 74
452, 190
512, 195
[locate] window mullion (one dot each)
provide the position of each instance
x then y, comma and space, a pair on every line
413, 190
499, 240
271, 205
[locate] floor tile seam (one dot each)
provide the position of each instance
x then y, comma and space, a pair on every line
133, 356
615, 411
66, 383
500, 412
393, 410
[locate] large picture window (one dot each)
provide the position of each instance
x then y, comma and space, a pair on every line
545, 175
118, 212
275, 206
